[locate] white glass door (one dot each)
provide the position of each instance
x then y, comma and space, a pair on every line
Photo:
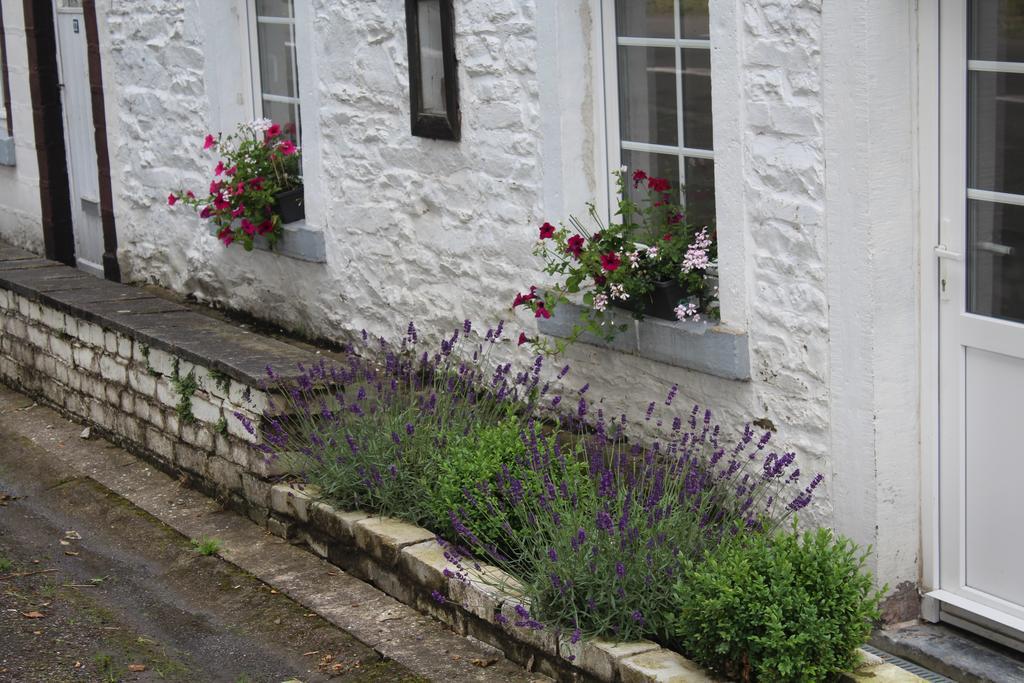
981, 316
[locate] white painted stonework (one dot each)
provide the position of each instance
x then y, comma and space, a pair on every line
815, 169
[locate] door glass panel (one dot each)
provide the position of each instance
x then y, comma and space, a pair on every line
996, 30
645, 18
693, 19
995, 161
996, 136
995, 260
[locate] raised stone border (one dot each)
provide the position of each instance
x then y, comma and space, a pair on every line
110, 354
710, 348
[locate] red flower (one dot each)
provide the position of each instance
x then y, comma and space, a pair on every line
209, 142
215, 187
638, 177
239, 211
248, 227
678, 218
206, 212
541, 311
190, 194
287, 148
226, 236
667, 237
575, 246
256, 183
522, 339
220, 203
523, 298
658, 184
265, 227
219, 169
232, 171
547, 231
171, 199
600, 280
610, 261
273, 131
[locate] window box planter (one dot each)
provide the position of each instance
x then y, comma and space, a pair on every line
659, 303
289, 205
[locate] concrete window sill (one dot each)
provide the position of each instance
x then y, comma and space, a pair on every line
6, 151
300, 241
713, 349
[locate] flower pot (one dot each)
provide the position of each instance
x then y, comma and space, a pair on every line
659, 302
289, 205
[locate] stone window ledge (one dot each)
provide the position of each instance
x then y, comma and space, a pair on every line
6, 150
300, 241
710, 348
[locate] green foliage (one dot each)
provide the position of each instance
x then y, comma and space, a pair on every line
222, 426
222, 381
206, 546
787, 607
5, 565
185, 387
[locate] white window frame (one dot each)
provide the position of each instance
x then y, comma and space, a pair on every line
253, 21
614, 143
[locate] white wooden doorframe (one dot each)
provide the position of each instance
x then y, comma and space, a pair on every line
959, 337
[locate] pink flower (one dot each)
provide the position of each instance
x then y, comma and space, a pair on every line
273, 131
523, 298
220, 203
522, 339
256, 183
215, 187
226, 236
232, 171
542, 311
190, 194
209, 142
239, 211
547, 231
287, 148
171, 199
265, 227
611, 261
206, 212
248, 227
219, 169
575, 245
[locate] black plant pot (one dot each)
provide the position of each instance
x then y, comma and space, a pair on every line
659, 302
289, 205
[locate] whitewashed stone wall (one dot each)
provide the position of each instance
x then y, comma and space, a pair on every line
439, 231
19, 184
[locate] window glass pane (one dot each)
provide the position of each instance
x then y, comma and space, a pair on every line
285, 113
699, 192
995, 260
693, 19
647, 95
654, 165
277, 67
697, 98
431, 57
645, 18
274, 8
996, 30
996, 136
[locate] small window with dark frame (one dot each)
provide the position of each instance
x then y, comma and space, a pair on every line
433, 75
6, 122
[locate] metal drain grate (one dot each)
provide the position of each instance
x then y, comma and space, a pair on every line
924, 673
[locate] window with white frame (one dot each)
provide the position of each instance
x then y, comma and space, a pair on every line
275, 75
658, 96
5, 87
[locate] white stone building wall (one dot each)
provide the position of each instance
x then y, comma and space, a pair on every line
815, 232
19, 184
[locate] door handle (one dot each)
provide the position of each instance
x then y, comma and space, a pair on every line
944, 252
995, 248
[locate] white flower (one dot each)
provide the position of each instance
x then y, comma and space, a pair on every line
696, 257
600, 302
687, 312
652, 252
619, 292
634, 259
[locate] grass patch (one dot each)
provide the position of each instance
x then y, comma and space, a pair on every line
207, 546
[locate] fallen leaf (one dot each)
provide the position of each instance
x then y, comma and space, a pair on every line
137, 667
72, 553
33, 615
86, 433
484, 663
78, 664
72, 535
313, 652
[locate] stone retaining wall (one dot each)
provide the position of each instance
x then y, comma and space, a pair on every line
179, 413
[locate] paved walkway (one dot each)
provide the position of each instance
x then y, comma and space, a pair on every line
94, 587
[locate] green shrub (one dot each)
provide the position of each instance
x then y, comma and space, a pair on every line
777, 608
462, 465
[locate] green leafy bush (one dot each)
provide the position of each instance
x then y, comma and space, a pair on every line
466, 462
777, 608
